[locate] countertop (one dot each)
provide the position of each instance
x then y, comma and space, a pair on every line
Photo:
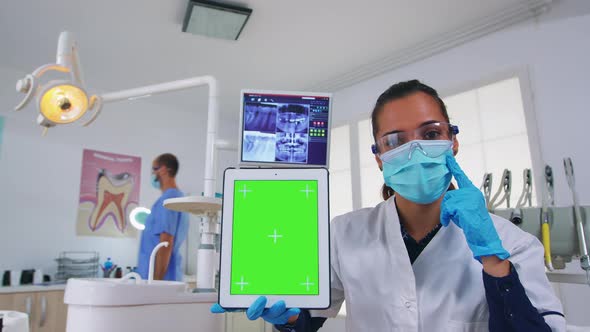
56, 287
32, 288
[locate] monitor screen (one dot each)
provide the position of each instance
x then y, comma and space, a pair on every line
285, 128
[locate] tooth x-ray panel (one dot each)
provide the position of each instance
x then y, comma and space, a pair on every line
285, 128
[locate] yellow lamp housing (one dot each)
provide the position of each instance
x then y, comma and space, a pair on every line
61, 102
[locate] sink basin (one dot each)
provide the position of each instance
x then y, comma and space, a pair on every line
115, 305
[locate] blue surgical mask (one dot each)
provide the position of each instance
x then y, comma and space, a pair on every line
418, 170
155, 181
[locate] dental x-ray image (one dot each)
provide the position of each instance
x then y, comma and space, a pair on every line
259, 132
260, 117
284, 128
258, 146
292, 147
292, 133
275, 132
293, 118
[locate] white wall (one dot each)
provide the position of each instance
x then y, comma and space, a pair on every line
555, 51
40, 176
555, 54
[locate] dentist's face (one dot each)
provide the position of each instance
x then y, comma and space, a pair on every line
407, 114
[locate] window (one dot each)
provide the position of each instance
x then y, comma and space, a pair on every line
492, 137
340, 176
371, 176
492, 133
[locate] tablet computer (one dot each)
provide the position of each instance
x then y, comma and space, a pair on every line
275, 237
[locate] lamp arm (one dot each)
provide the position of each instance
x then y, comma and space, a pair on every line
221, 144
67, 56
146, 91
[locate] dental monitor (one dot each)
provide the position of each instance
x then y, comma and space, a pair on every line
284, 129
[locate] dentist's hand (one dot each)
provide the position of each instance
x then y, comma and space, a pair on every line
276, 314
466, 207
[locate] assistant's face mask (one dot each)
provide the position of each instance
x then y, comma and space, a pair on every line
155, 181
418, 170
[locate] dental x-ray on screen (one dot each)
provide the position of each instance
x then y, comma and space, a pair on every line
288, 128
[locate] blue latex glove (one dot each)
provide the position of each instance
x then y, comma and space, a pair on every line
276, 314
466, 207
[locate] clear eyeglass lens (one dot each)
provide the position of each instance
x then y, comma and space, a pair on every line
428, 132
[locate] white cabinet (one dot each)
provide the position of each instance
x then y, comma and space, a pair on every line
238, 322
47, 311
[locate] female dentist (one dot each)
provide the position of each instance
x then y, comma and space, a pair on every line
430, 257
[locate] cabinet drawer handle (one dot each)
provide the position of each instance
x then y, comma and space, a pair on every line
43, 311
29, 306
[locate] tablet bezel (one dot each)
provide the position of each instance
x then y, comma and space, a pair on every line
320, 301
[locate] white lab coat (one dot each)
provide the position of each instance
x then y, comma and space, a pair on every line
442, 291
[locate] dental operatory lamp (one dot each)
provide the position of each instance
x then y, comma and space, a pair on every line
59, 101
66, 101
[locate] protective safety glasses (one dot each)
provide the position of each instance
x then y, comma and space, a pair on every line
432, 149
427, 132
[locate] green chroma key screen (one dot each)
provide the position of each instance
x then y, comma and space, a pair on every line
275, 238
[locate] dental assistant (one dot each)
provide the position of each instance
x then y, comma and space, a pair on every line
163, 224
429, 257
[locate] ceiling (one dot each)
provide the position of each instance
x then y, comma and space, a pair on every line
286, 44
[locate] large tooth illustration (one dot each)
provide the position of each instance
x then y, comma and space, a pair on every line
112, 195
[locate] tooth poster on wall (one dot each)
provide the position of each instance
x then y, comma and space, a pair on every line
109, 190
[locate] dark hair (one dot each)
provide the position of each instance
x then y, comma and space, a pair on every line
398, 91
169, 160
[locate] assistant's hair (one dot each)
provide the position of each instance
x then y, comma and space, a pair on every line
398, 91
170, 161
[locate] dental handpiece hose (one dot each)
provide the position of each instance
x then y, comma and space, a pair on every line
584, 258
582, 240
571, 181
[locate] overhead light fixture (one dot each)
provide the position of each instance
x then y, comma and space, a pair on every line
215, 19
66, 100
61, 102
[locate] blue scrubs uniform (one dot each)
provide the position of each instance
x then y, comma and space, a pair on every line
161, 220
